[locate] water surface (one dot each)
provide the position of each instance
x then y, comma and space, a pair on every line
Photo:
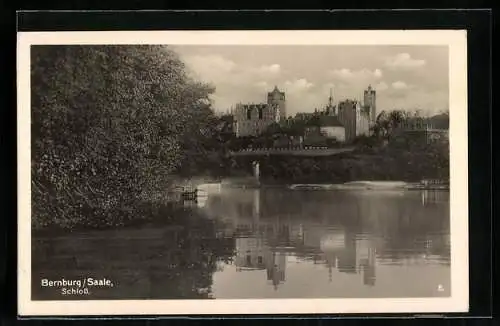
264, 243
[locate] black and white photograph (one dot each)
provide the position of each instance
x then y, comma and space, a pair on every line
222, 172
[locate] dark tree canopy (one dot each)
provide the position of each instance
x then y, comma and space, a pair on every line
107, 124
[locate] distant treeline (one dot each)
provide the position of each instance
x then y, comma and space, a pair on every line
405, 160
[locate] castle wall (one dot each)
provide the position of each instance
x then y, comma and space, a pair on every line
347, 116
253, 119
362, 121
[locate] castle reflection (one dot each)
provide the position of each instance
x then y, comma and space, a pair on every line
343, 234
253, 253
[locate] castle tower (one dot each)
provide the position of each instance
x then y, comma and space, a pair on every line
277, 97
370, 102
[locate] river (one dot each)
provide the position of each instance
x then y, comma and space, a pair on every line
264, 243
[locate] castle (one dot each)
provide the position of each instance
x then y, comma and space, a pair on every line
356, 118
352, 118
253, 119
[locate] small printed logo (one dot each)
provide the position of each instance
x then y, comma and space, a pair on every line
440, 288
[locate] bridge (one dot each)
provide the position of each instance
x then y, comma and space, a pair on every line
306, 151
297, 151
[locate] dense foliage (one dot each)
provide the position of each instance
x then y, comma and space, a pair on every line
391, 163
386, 155
109, 126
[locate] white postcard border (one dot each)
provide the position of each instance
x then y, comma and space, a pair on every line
459, 300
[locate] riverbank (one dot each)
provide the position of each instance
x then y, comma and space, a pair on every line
375, 185
386, 164
354, 185
251, 182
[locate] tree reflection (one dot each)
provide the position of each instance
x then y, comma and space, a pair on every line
174, 260
193, 262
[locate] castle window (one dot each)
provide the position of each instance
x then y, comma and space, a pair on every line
260, 112
259, 259
249, 114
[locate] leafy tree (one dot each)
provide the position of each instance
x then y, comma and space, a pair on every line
297, 128
273, 129
106, 124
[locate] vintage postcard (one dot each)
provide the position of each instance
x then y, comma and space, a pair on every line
221, 172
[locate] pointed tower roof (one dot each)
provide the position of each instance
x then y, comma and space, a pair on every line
330, 99
276, 90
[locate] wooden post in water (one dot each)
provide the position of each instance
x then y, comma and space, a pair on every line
256, 170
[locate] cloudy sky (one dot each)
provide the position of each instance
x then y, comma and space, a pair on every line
405, 77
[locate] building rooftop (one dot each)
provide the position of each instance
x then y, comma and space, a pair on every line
252, 105
304, 114
275, 90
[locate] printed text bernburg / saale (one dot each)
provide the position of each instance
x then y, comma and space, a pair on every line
89, 281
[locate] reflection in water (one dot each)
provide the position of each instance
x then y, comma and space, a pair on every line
267, 243
364, 234
255, 254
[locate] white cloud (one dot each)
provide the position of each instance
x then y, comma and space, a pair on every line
348, 75
210, 68
377, 73
212, 62
298, 85
401, 85
273, 69
403, 60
